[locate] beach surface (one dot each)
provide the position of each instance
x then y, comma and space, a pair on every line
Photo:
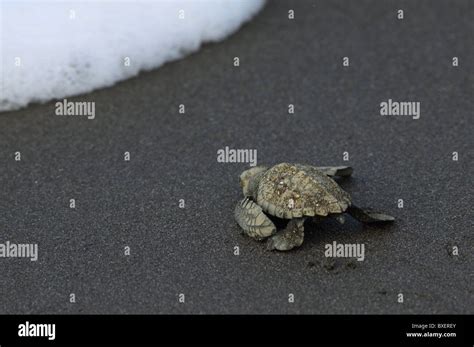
173, 156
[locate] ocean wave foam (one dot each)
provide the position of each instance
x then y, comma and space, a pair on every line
54, 49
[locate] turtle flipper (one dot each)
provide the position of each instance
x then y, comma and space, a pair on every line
368, 215
341, 171
253, 220
290, 237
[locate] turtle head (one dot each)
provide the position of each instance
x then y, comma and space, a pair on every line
249, 179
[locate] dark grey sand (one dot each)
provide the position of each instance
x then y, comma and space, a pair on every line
173, 157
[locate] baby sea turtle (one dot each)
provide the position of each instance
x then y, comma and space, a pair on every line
294, 192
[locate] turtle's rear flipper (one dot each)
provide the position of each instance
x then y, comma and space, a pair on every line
290, 237
368, 215
341, 171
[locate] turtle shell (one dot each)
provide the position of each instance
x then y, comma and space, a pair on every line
294, 190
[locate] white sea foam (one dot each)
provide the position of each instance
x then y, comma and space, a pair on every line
69, 47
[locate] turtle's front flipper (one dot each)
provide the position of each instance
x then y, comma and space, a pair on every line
341, 171
368, 215
290, 237
252, 220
